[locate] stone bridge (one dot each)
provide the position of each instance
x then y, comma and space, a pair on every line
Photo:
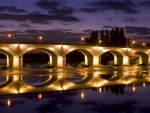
57, 53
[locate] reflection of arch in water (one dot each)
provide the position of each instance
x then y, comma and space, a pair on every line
15, 84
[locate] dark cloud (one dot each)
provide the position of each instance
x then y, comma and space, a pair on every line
48, 5
130, 20
38, 17
109, 19
107, 26
89, 10
58, 9
124, 6
88, 30
11, 9
145, 3
142, 38
63, 11
138, 30
55, 11
24, 25
3, 26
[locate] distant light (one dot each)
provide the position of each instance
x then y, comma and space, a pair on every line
133, 88
82, 95
143, 44
143, 84
100, 41
100, 89
9, 35
40, 96
133, 42
40, 37
8, 102
82, 38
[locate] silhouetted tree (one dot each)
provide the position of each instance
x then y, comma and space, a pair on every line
112, 37
107, 37
93, 38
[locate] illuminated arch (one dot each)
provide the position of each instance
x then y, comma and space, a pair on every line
87, 56
52, 55
9, 57
143, 57
118, 57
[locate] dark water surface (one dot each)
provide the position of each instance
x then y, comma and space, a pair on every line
126, 90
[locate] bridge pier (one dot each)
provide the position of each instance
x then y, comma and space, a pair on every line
9, 61
96, 60
148, 60
126, 60
17, 61
61, 61
53, 60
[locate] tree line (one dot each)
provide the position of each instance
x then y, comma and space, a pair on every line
114, 37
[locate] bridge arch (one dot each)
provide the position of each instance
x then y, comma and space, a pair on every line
88, 57
52, 55
118, 57
9, 57
143, 57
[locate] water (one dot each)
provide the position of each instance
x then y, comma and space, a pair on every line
102, 90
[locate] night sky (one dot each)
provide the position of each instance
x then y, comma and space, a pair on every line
69, 20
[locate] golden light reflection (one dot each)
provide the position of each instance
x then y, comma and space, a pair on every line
144, 85
8, 102
100, 89
133, 88
82, 95
40, 96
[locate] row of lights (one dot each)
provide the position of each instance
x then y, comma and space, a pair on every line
40, 37
82, 39
39, 96
133, 43
100, 41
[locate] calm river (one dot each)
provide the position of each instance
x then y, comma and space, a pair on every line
75, 90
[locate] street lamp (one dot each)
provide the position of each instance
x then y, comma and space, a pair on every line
9, 36
40, 38
143, 44
133, 42
82, 39
100, 41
